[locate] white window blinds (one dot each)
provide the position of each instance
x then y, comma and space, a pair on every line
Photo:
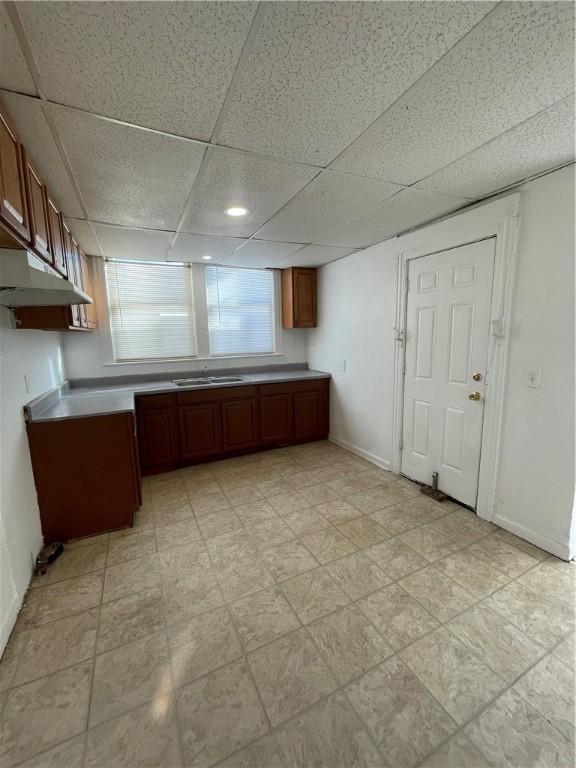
151, 310
240, 310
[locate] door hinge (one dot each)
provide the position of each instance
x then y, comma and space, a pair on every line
401, 444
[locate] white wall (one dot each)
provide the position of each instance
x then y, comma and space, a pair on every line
357, 297
38, 355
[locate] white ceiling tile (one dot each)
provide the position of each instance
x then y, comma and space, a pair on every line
516, 62
314, 256
128, 175
405, 210
542, 142
82, 233
318, 74
33, 130
232, 178
165, 65
260, 253
133, 244
329, 200
14, 72
193, 247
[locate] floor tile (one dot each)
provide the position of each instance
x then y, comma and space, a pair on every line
328, 544
269, 532
459, 526
288, 560
370, 500
130, 676
457, 752
554, 579
319, 493
363, 531
497, 642
290, 675
292, 501
70, 754
357, 575
50, 647
338, 511
273, 487
313, 594
132, 576
353, 483
534, 614
202, 644
211, 503
76, 561
396, 558
549, 688
306, 521
349, 643
327, 735
255, 512
299, 478
566, 651
475, 575
398, 617
405, 720
523, 546
454, 676
230, 546
441, 596
510, 560
244, 494
429, 543
139, 544
41, 714
219, 714
215, 523
264, 753
262, 618
510, 733
190, 596
179, 562
130, 618
68, 597
10, 657
243, 577
144, 737
177, 534
173, 514
394, 520
423, 510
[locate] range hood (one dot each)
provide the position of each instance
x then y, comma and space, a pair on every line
25, 281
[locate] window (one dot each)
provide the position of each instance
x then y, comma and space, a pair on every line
240, 311
151, 310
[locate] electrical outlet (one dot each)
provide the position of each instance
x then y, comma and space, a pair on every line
534, 378
27, 383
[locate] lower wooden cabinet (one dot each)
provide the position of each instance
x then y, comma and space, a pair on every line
200, 430
202, 425
86, 474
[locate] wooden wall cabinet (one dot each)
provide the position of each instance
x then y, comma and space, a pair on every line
202, 425
13, 200
299, 308
86, 474
56, 237
38, 207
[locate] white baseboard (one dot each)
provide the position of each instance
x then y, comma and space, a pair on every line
8, 622
549, 545
383, 463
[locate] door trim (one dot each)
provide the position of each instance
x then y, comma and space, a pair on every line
497, 219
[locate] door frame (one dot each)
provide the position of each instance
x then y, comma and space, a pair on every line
499, 219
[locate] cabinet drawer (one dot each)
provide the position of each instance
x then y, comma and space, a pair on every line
210, 395
286, 387
150, 402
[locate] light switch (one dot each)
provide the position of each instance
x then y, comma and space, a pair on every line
27, 383
534, 378
343, 365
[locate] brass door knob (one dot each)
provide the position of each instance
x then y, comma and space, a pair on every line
474, 396
477, 377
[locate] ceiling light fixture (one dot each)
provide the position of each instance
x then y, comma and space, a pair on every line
207, 258
236, 211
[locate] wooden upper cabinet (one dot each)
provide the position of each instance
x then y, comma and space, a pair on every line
37, 204
299, 297
87, 286
13, 202
57, 237
73, 267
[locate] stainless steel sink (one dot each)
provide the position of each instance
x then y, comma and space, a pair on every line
196, 382
225, 379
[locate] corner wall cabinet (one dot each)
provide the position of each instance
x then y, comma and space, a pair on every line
299, 298
203, 425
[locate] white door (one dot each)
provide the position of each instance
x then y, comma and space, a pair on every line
447, 330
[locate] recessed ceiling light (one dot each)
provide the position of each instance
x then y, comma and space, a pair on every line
236, 211
207, 258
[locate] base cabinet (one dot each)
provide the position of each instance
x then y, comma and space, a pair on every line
158, 438
308, 415
200, 431
276, 419
240, 424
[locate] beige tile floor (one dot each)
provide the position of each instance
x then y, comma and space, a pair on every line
298, 607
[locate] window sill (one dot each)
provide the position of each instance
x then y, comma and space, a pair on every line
173, 360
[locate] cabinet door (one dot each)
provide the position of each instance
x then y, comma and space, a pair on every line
309, 418
89, 317
200, 430
57, 238
13, 203
276, 418
39, 228
72, 268
304, 292
239, 424
158, 438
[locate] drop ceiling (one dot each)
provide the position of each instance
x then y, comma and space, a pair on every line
336, 124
